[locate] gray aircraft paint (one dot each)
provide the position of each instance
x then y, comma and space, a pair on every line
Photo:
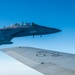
47, 62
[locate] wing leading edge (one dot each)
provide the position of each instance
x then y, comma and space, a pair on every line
45, 61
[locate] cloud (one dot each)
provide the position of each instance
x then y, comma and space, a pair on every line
14, 67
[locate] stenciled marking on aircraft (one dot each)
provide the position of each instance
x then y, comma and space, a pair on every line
33, 31
47, 53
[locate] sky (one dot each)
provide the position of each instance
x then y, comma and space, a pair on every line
51, 13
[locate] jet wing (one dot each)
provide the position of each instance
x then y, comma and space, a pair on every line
47, 62
9, 33
1, 36
15, 32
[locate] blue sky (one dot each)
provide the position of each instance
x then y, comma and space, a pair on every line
52, 13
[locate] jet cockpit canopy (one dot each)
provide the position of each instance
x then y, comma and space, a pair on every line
16, 24
33, 24
22, 24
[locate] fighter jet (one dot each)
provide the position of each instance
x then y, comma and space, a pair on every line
19, 30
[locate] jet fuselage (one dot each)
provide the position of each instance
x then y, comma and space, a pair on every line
8, 33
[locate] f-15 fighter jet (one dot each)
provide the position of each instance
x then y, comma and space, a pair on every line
19, 30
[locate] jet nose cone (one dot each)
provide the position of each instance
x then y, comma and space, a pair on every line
52, 30
57, 30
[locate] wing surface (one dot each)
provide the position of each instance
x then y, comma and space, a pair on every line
47, 62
